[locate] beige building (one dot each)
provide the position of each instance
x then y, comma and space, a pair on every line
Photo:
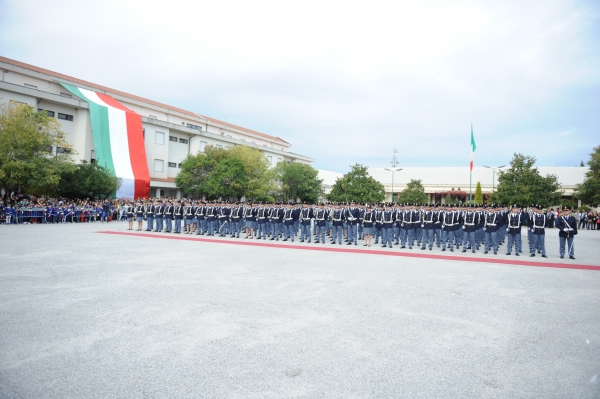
438, 181
170, 133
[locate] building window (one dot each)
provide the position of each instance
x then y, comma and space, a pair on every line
159, 138
50, 113
172, 165
219, 146
65, 117
194, 126
67, 95
93, 157
279, 160
179, 166
159, 165
173, 138
270, 158
60, 150
230, 136
144, 133
30, 86
183, 141
202, 146
173, 193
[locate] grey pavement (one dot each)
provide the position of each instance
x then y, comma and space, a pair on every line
88, 315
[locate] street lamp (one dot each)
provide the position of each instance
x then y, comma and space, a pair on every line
394, 163
493, 175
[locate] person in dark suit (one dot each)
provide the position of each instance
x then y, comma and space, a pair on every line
567, 230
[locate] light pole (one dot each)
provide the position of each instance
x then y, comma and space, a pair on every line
494, 175
394, 163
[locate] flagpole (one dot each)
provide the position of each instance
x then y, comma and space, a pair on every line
471, 168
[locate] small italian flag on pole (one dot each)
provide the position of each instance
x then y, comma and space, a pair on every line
473, 148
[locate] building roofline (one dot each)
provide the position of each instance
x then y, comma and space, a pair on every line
131, 96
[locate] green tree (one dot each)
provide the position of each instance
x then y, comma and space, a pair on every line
27, 161
478, 198
299, 180
240, 171
448, 199
414, 193
87, 180
523, 184
357, 185
589, 191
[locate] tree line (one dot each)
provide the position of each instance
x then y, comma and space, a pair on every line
36, 159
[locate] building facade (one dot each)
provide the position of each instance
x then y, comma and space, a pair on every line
440, 181
169, 133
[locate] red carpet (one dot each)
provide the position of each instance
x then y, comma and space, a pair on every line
337, 248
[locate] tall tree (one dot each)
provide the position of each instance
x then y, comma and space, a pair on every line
478, 198
357, 185
240, 171
523, 184
589, 191
88, 180
27, 160
299, 181
414, 193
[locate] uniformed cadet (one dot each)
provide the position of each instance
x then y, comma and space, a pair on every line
427, 224
177, 217
262, 216
130, 215
306, 217
276, 218
149, 216
406, 232
139, 214
491, 225
158, 215
387, 227
250, 219
567, 230
537, 227
449, 227
321, 216
361, 216
168, 216
368, 223
337, 221
351, 214
377, 223
514, 221
470, 223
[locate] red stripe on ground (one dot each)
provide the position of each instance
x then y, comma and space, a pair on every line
318, 247
137, 149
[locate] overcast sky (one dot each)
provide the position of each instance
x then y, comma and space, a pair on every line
344, 81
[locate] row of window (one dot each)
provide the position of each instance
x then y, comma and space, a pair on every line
65, 117
159, 165
159, 138
183, 141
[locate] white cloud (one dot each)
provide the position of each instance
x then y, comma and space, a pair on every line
344, 82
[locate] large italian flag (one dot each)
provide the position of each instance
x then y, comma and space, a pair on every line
473, 147
118, 141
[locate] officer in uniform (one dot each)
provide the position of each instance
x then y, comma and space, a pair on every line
351, 217
537, 228
306, 216
337, 221
261, 219
470, 223
288, 223
236, 220
427, 225
158, 215
387, 229
250, 219
178, 217
514, 221
567, 230
276, 217
406, 232
320, 223
199, 217
139, 214
491, 224
168, 216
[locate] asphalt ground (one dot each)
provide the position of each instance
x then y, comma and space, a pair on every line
86, 314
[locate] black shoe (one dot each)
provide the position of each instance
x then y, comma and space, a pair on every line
485, 253
403, 247
495, 253
544, 256
517, 254
451, 250
422, 248
349, 243
532, 255
301, 240
572, 257
383, 246
464, 250
431, 249
562, 257
340, 243
508, 253
473, 251
443, 249
332, 242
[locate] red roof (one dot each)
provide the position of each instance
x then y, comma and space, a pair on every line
133, 97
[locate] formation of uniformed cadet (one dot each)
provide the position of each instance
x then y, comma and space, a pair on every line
448, 227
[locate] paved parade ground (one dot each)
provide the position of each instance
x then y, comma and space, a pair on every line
95, 311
